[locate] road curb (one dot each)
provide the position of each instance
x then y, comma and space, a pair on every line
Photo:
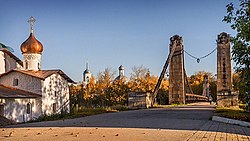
231, 121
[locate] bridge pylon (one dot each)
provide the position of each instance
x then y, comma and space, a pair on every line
176, 72
225, 96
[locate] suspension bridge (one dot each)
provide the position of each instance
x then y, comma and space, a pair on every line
178, 82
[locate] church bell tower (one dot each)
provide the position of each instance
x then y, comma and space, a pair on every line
32, 50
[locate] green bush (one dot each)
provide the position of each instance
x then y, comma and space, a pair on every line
81, 113
233, 113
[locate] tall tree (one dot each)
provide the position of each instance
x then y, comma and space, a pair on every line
138, 78
117, 92
196, 82
76, 96
89, 92
239, 18
104, 81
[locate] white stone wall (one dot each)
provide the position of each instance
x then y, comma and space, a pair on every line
7, 63
19, 67
10, 63
86, 78
121, 72
55, 90
25, 82
32, 61
16, 109
2, 63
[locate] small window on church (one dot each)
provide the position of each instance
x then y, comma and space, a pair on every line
54, 107
55, 93
87, 79
15, 82
28, 108
26, 65
38, 65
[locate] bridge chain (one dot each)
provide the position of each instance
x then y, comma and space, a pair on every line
199, 58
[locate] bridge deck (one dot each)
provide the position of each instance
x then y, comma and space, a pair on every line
195, 98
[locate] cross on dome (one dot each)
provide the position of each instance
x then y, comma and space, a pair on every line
31, 45
87, 66
31, 21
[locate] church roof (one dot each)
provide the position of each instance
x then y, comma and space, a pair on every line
87, 71
32, 45
10, 92
120, 77
2, 46
41, 74
121, 67
12, 56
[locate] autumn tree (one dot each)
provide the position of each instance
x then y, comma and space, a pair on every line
76, 96
239, 18
139, 79
89, 91
117, 92
104, 81
196, 82
163, 93
142, 81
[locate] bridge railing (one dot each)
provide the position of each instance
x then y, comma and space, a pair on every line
190, 98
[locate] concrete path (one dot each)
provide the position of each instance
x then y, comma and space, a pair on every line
217, 131
177, 123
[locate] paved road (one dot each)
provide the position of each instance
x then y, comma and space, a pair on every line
177, 123
184, 117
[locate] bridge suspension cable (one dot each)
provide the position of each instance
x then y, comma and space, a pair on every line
163, 72
199, 58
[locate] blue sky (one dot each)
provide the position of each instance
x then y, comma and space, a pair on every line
108, 33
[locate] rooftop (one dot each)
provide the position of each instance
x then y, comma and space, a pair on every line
42, 74
11, 92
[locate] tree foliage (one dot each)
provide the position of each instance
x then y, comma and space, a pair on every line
139, 80
196, 82
239, 18
107, 91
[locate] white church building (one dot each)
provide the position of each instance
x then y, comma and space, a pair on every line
27, 91
87, 75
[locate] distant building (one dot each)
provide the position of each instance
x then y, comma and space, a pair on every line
121, 74
27, 91
86, 75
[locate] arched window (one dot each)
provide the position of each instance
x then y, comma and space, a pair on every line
87, 78
54, 107
26, 65
28, 108
38, 66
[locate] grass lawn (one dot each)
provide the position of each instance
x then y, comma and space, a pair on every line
82, 113
233, 113
167, 106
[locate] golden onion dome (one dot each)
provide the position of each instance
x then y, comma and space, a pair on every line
32, 45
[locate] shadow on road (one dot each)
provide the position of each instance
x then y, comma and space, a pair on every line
191, 117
